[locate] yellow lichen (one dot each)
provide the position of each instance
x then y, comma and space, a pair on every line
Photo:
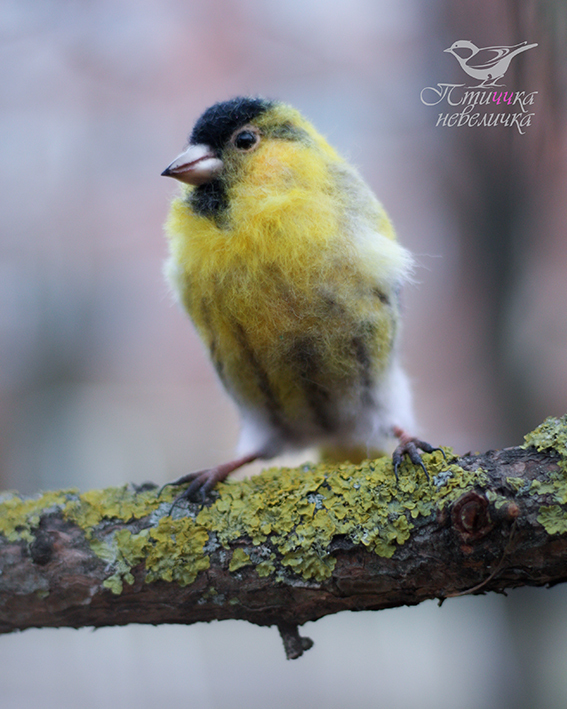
297, 511
171, 551
113, 503
19, 517
553, 519
239, 559
519, 484
177, 554
497, 500
551, 435
301, 510
265, 568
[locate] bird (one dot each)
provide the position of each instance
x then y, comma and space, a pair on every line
488, 64
290, 270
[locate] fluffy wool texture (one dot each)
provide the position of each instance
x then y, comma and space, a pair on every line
293, 287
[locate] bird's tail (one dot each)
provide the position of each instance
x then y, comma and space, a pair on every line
349, 454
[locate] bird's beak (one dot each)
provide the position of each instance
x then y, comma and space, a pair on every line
195, 166
448, 49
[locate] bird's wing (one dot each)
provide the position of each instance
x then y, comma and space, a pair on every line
488, 57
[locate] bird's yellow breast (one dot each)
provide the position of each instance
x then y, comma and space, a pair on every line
292, 308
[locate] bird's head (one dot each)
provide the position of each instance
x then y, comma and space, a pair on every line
462, 44
244, 141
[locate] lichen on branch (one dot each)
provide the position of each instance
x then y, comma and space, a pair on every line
288, 545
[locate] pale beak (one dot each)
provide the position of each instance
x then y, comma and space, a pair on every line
195, 166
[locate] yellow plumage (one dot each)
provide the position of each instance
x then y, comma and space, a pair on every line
289, 268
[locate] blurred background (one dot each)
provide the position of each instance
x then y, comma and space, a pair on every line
103, 380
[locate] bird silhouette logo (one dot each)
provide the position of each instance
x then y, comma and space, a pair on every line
488, 64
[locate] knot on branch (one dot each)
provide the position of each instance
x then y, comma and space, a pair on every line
470, 516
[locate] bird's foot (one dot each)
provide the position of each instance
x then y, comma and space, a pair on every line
203, 481
488, 84
410, 446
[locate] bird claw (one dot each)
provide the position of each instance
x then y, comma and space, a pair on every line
410, 446
202, 482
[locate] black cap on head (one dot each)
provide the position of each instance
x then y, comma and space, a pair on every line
219, 122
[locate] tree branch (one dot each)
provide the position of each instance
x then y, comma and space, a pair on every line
290, 546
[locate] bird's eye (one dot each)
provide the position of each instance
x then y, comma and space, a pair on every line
246, 139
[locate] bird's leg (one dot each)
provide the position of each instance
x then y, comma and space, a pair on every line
410, 445
204, 480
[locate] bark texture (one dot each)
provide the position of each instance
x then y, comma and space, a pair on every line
486, 522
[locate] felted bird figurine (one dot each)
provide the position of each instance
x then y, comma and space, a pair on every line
488, 64
290, 270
